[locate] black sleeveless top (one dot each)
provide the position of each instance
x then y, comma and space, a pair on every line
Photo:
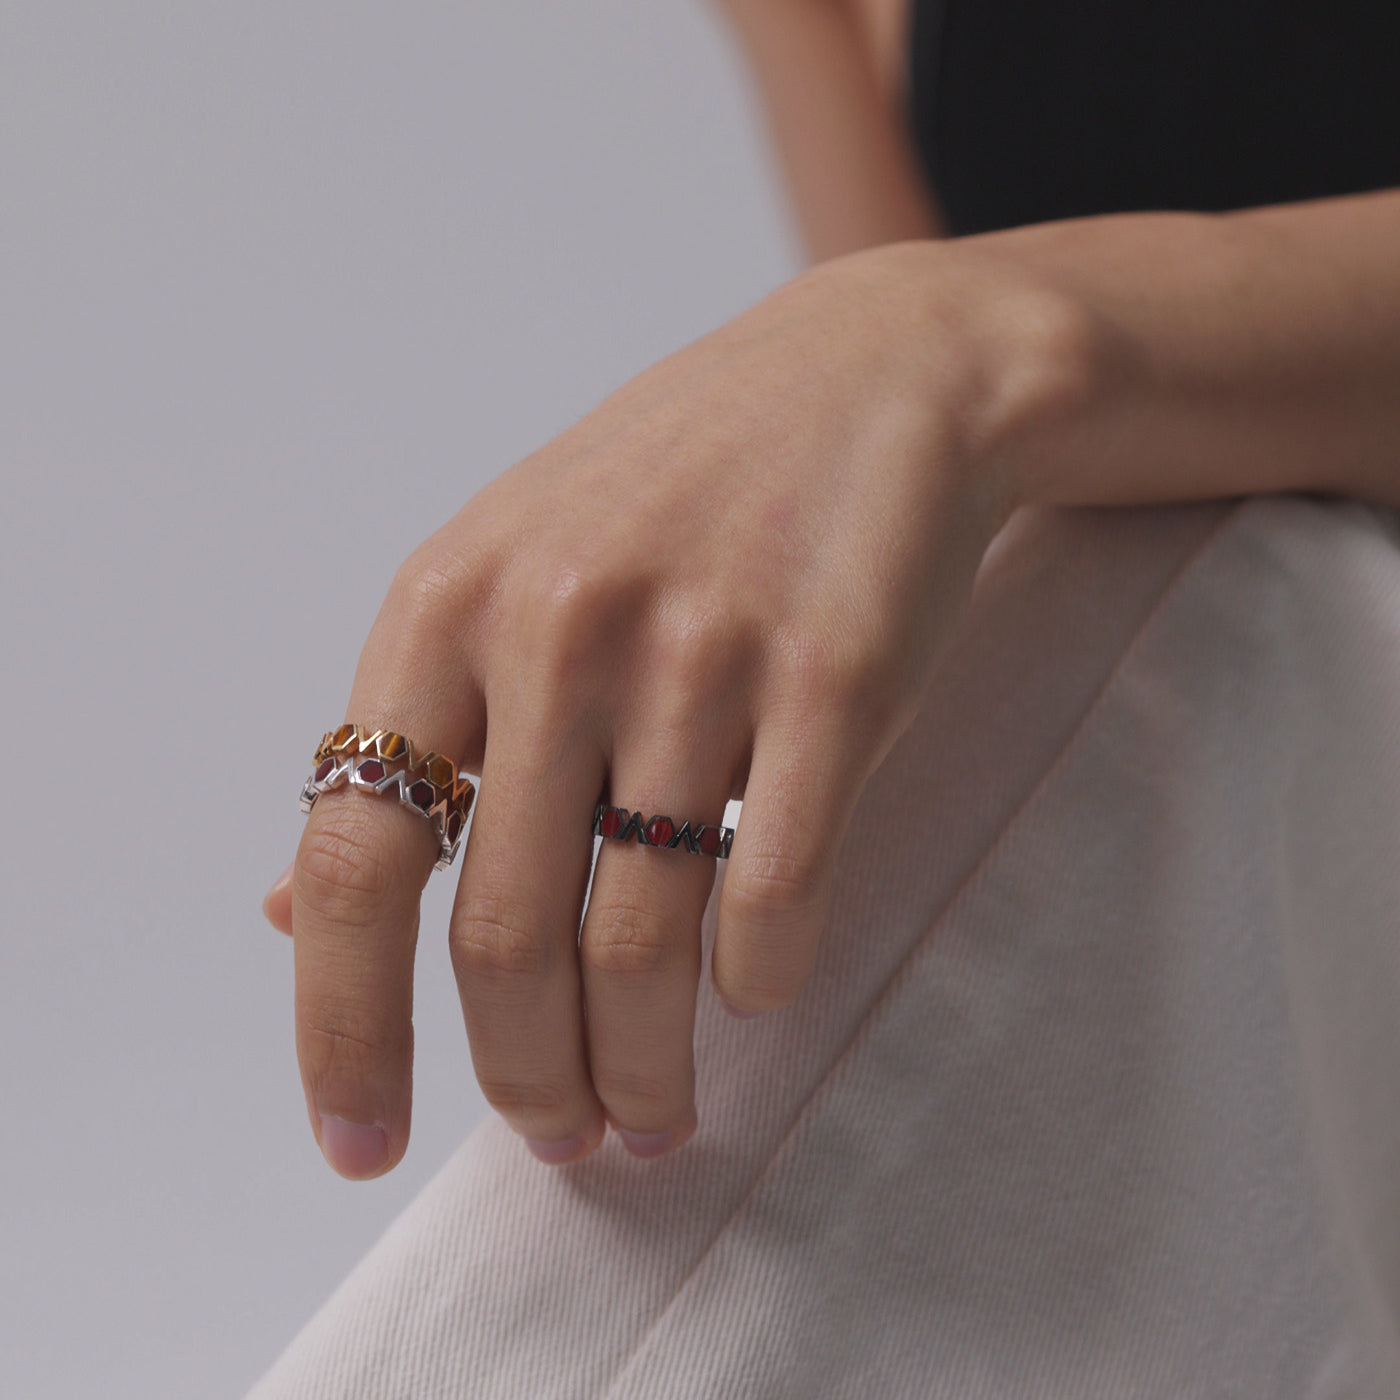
1027, 110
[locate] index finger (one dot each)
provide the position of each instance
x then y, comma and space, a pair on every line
356, 888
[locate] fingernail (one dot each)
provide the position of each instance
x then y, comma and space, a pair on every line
556, 1153
736, 1013
353, 1149
654, 1144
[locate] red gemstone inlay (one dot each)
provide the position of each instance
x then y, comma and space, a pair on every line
454, 825
707, 838
325, 770
371, 770
421, 795
659, 831
611, 823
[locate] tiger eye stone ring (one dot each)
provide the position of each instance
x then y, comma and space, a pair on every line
380, 761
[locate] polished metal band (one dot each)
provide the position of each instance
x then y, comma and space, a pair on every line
381, 761
619, 824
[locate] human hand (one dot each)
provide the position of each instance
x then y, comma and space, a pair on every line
731, 578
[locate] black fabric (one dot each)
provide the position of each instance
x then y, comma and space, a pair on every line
1028, 110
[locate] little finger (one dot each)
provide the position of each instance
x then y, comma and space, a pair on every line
798, 800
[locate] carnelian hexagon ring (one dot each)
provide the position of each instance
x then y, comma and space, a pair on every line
621, 825
380, 761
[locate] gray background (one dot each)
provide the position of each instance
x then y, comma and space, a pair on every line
281, 285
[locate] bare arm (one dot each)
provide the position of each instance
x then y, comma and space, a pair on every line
829, 75
1211, 355
822, 476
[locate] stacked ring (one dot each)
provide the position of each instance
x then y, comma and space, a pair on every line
619, 824
381, 761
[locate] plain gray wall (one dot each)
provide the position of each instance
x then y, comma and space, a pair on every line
281, 285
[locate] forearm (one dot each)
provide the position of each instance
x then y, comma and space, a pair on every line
847, 164
1212, 355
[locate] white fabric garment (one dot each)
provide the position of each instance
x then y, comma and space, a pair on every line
1094, 1093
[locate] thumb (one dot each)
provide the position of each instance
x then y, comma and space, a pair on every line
277, 902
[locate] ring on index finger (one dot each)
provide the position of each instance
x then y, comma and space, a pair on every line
383, 762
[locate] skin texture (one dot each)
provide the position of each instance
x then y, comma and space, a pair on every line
830, 76
734, 577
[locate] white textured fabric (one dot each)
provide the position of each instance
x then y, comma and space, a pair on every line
1095, 1090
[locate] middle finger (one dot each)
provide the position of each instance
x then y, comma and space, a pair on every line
514, 934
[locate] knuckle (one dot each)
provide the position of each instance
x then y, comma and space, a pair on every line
774, 914
818, 678
762, 989
831, 676
334, 1052
628, 941
493, 943
640, 1098
697, 651
772, 882
843, 704
531, 1099
566, 598
558, 613
427, 592
341, 871
774, 888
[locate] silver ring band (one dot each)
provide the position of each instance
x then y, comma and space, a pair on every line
371, 774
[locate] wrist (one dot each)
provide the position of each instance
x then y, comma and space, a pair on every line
1204, 356
1007, 363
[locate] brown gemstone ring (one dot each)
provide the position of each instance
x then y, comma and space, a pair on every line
619, 824
381, 761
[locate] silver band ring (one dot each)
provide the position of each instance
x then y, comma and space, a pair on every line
620, 824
